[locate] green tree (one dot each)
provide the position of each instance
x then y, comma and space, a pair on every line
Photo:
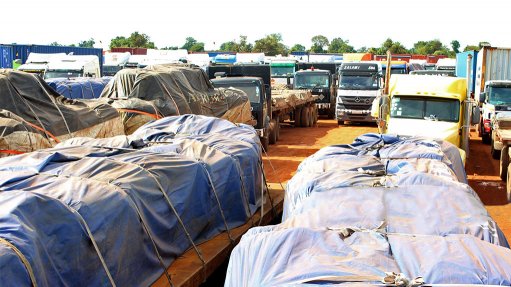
242, 46
87, 43
484, 43
471, 48
433, 47
271, 45
135, 40
455, 46
197, 47
338, 45
170, 48
190, 41
319, 42
297, 48
55, 44
363, 49
394, 47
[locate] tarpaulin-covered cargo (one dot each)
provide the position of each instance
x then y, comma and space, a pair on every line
52, 116
169, 90
120, 210
382, 204
79, 88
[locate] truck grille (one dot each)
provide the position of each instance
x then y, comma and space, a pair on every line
357, 103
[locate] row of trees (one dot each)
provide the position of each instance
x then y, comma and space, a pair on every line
272, 45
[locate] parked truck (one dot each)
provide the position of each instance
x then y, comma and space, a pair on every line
430, 106
37, 63
269, 106
114, 62
322, 83
283, 70
492, 86
359, 84
72, 66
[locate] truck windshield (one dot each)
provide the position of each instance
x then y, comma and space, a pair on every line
50, 74
358, 82
253, 91
425, 108
499, 95
111, 70
282, 71
311, 80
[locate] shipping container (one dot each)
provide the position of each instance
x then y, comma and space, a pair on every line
492, 64
461, 67
5, 57
21, 51
432, 59
133, 51
395, 57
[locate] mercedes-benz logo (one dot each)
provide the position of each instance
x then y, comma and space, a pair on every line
357, 99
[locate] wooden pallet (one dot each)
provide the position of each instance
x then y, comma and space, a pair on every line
188, 270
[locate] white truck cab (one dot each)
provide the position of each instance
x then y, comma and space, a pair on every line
73, 66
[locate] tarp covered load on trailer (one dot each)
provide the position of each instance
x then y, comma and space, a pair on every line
79, 88
169, 90
381, 204
121, 210
45, 117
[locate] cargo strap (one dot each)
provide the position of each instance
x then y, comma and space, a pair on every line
23, 260
11, 151
244, 189
218, 202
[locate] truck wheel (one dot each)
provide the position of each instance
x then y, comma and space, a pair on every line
504, 162
508, 184
277, 126
494, 153
273, 132
486, 138
311, 116
340, 122
265, 143
298, 116
304, 119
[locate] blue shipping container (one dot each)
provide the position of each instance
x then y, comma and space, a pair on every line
5, 57
461, 66
21, 51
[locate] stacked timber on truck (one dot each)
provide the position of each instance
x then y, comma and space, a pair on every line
298, 105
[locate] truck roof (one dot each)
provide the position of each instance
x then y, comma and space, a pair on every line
499, 82
427, 85
312, 71
237, 79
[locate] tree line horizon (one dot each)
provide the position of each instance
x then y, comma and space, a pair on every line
272, 45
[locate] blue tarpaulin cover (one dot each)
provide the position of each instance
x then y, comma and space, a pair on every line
99, 212
79, 88
381, 204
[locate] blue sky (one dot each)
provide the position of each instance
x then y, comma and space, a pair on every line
168, 23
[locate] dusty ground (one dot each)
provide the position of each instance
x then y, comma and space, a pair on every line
295, 144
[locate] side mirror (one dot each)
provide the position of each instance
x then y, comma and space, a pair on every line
375, 108
476, 114
220, 74
482, 97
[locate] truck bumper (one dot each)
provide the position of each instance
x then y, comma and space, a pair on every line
354, 115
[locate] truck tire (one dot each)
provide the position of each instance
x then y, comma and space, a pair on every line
277, 121
311, 116
298, 116
486, 138
494, 153
504, 162
273, 132
265, 143
315, 109
508, 184
340, 122
304, 119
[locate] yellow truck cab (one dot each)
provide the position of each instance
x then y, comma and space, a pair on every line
429, 106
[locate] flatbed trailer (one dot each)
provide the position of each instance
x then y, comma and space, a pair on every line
500, 142
188, 270
296, 105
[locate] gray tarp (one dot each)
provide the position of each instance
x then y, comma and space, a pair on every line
34, 116
381, 204
169, 90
